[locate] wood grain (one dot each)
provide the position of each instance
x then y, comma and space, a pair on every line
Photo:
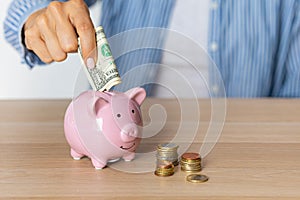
257, 155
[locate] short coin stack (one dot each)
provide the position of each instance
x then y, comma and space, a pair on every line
190, 162
167, 152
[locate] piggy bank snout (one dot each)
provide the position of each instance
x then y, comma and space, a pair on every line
129, 133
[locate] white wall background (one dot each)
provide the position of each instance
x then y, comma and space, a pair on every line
53, 81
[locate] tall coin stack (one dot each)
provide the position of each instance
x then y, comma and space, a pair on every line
167, 159
167, 152
191, 162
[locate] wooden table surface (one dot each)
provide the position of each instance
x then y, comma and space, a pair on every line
256, 157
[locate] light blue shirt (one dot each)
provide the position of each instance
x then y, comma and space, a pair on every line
256, 42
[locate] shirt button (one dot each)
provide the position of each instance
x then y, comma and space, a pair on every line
215, 89
214, 5
214, 46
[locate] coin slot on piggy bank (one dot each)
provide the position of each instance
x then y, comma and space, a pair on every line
105, 126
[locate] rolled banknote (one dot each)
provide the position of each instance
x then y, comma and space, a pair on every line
105, 74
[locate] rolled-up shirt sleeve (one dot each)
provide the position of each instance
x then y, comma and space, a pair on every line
17, 14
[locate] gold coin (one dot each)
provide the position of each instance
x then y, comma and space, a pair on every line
157, 173
197, 160
192, 164
197, 178
191, 156
164, 170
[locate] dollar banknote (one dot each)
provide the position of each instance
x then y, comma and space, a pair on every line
105, 74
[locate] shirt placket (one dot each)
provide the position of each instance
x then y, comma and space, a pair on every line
216, 83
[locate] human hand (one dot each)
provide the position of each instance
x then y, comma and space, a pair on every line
52, 32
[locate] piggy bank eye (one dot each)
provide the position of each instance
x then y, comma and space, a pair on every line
132, 111
118, 115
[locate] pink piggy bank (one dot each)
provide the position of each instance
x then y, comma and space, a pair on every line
105, 126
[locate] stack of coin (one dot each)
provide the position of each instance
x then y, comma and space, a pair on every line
167, 152
165, 169
190, 162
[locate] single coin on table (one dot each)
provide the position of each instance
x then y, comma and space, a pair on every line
197, 178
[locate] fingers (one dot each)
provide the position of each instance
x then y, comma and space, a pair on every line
44, 42
53, 45
87, 38
86, 32
48, 35
52, 32
65, 32
39, 47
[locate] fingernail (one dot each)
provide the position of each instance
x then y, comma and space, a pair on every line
90, 63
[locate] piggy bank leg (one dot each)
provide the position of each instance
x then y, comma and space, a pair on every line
75, 155
98, 165
129, 157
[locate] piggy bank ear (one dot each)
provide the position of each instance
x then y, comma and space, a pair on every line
103, 100
137, 94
